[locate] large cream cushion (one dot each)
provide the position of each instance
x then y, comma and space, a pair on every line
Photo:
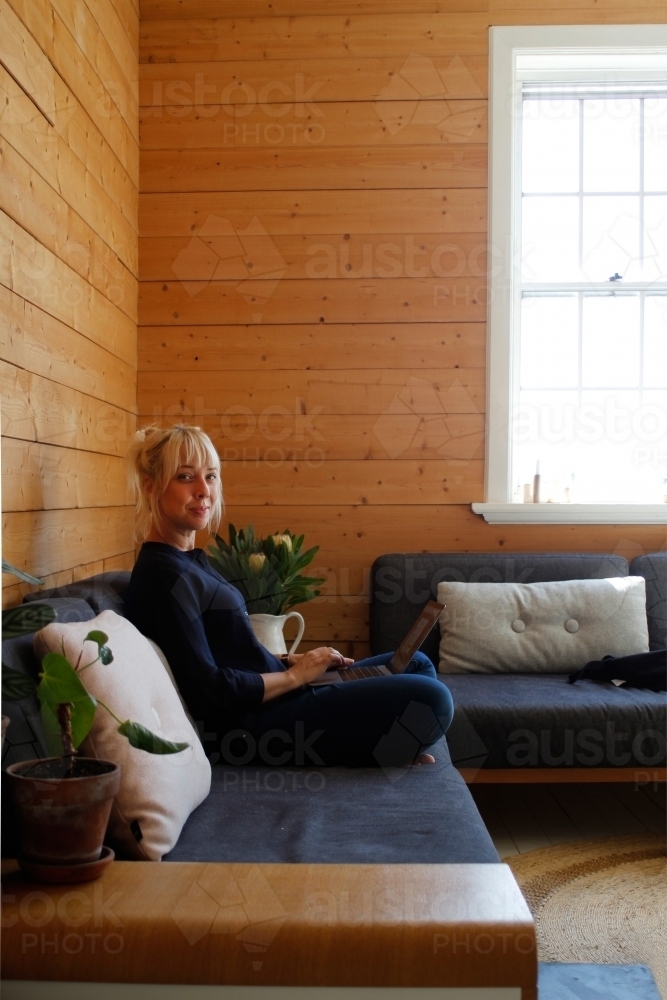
530, 627
157, 792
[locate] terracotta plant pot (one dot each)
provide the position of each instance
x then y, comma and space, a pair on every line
62, 820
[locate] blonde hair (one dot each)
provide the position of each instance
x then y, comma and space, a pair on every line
156, 453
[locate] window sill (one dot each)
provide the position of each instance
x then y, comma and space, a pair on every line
572, 513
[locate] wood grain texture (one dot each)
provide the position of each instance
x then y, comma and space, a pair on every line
171, 920
372, 300
171, 10
36, 409
22, 57
37, 275
287, 169
381, 391
34, 341
314, 213
94, 94
47, 477
312, 346
68, 283
379, 482
48, 541
354, 124
282, 436
39, 209
330, 255
309, 82
112, 216
311, 36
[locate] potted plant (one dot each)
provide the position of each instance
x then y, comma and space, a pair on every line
63, 803
269, 573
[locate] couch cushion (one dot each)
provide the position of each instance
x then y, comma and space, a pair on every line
539, 720
553, 627
102, 592
653, 568
338, 815
402, 583
157, 791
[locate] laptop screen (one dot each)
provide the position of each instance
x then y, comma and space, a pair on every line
415, 637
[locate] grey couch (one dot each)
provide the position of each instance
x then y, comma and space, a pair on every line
273, 814
531, 720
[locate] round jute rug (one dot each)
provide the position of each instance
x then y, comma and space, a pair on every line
600, 901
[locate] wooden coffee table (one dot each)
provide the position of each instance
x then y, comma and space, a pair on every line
270, 926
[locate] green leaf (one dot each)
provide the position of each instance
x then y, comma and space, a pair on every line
16, 685
26, 577
26, 618
101, 638
143, 739
60, 684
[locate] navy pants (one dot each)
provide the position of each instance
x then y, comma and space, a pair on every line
376, 722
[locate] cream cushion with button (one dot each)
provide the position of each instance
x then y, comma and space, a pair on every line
157, 792
549, 627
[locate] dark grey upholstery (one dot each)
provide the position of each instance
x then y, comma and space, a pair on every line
539, 720
403, 582
419, 815
102, 592
530, 720
654, 570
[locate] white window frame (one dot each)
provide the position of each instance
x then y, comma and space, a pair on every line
504, 270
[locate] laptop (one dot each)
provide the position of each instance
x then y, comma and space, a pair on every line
425, 621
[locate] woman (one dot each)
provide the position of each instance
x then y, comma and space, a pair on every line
255, 704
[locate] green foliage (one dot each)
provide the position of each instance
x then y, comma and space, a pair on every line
103, 651
143, 739
25, 618
62, 685
16, 685
267, 571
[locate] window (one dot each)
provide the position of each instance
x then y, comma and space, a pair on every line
578, 287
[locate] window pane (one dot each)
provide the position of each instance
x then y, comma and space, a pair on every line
550, 240
549, 341
655, 237
610, 341
655, 341
611, 145
550, 146
611, 236
655, 144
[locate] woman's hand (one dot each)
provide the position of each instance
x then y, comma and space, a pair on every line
308, 666
303, 667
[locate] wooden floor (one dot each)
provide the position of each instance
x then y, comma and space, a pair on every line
522, 818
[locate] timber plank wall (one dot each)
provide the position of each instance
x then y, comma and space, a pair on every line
69, 178
312, 270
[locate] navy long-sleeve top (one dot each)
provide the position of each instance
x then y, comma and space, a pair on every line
199, 621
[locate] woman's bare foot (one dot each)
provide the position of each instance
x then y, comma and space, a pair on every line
424, 758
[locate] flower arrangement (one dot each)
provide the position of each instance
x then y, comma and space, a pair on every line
267, 571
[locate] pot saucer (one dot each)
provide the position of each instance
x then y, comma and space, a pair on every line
85, 872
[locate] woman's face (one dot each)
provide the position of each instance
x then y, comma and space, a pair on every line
186, 503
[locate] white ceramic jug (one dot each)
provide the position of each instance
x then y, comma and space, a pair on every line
268, 630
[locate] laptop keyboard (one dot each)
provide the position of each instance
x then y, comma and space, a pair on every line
356, 673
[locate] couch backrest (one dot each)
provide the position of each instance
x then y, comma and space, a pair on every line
402, 582
653, 568
102, 592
